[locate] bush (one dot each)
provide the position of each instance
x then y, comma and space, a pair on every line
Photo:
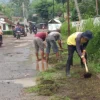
64, 29
8, 32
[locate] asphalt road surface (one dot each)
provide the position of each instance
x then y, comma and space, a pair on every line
17, 66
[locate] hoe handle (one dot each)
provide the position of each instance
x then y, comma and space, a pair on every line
86, 68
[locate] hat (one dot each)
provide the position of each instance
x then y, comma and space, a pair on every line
87, 34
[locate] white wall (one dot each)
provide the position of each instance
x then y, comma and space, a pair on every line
52, 27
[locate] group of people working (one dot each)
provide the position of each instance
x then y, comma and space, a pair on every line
75, 42
48, 40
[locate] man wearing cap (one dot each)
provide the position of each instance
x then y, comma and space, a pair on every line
77, 42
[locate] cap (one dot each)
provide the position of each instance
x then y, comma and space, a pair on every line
87, 34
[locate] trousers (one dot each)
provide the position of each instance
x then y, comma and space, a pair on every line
71, 50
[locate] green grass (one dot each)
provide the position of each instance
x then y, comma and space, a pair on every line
32, 89
60, 98
95, 67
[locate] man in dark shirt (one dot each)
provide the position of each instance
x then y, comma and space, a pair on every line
77, 41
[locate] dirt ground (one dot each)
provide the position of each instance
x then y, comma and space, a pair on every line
75, 87
79, 88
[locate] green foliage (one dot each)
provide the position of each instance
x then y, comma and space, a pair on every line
60, 1
7, 10
42, 8
91, 8
19, 3
74, 16
17, 7
60, 98
64, 29
32, 89
0, 7
95, 67
7, 32
58, 9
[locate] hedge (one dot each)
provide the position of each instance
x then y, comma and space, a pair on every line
8, 32
64, 29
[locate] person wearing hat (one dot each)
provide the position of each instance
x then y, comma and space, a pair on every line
77, 42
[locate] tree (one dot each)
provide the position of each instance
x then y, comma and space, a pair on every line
78, 11
17, 6
74, 16
7, 10
87, 11
61, 1
42, 9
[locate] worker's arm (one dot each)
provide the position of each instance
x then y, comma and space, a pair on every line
78, 41
60, 45
1, 32
82, 56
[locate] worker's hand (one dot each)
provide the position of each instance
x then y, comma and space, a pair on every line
44, 44
84, 52
84, 60
61, 49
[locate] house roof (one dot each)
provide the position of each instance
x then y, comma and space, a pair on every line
55, 21
9, 21
5, 19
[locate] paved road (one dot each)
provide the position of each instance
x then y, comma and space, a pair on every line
17, 67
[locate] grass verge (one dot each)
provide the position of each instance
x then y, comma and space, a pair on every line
53, 82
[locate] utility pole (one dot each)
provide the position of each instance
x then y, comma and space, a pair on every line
68, 19
23, 8
78, 11
97, 8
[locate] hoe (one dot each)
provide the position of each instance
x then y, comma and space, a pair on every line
87, 74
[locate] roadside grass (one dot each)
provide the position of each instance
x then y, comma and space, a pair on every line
54, 82
60, 98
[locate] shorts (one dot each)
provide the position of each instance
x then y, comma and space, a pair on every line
38, 43
53, 44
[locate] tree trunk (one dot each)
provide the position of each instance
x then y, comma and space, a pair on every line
97, 7
78, 11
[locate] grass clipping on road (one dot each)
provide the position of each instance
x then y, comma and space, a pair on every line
55, 83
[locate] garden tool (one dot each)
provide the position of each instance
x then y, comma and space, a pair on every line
87, 74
